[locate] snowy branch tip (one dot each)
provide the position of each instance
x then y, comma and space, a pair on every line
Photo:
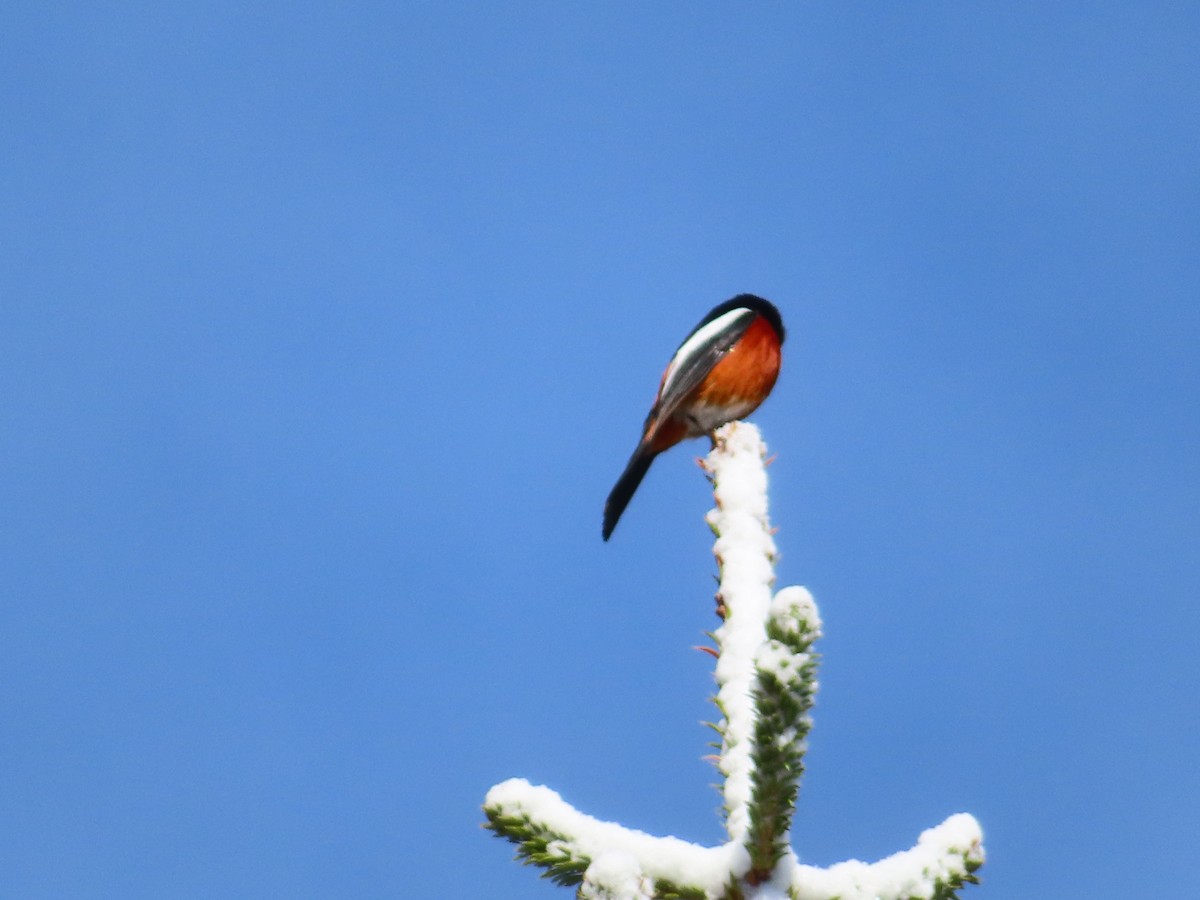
766, 685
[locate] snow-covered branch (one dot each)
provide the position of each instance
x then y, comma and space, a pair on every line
766, 678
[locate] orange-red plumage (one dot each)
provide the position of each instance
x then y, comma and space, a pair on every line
746, 373
722, 371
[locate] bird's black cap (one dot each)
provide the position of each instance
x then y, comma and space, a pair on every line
764, 308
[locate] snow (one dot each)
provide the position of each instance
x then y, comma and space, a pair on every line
623, 853
745, 550
623, 864
940, 854
615, 875
794, 607
776, 658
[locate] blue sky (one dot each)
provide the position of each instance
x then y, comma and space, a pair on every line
325, 329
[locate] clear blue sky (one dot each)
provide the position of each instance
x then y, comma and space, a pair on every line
325, 329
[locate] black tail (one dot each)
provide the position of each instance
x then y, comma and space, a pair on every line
622, 492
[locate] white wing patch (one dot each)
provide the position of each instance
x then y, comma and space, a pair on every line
699, 339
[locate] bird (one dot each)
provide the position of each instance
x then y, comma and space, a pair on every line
723, 371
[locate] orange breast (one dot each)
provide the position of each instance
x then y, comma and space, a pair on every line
732, 390
744, 378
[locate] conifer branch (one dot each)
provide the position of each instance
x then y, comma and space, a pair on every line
766, 684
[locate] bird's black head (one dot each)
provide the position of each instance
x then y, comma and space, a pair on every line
764, 308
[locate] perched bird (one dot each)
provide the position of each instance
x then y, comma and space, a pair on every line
722, 371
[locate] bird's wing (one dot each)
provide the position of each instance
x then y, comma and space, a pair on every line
696, 357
